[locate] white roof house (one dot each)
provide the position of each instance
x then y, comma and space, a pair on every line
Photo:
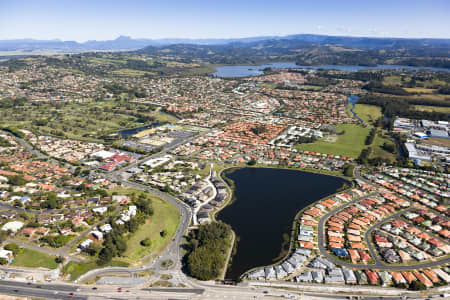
97, 234
7, 255
100, 210
14, 226
106, 228
103, 154
85, 244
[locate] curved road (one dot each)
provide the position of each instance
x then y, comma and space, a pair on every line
378, 263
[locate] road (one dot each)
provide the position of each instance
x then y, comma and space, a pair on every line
171, 253
378, 263
46, 291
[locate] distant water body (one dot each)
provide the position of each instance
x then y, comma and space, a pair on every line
244, 71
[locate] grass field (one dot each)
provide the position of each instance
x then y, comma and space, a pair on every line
378, 151
131, 72
349, 144
368, 113
419, 90
34, 259
165, 217
75, 270
442, 109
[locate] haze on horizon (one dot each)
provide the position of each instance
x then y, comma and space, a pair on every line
105, 20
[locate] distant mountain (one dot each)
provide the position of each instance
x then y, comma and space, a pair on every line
127, 43
120, 43
316, 50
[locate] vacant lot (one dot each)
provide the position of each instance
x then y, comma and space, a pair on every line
439, 142
75, 270
165, 217
348, 144
34, 259
368, 113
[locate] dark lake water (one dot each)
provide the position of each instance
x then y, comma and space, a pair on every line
266, 203
129, 132
244, 71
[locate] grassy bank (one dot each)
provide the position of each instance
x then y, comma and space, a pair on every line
368, 113
34, 259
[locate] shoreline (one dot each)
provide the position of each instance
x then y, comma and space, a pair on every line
293, 227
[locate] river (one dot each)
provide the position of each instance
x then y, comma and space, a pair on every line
266, 202
352, 99
244, 71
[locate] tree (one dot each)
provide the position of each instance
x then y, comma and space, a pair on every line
252, 162
204, 264
121, 245
17, 180
146, 242
105, 256
12, 247
348, 170
163, 233
417, 286
93, 249
3, 261
59, 259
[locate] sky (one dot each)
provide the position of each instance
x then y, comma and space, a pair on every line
82, 20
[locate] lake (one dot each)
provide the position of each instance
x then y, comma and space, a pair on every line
244, 71
266, 202
129, 132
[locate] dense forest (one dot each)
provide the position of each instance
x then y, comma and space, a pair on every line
207, 249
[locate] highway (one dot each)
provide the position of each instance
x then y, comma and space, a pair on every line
47, 291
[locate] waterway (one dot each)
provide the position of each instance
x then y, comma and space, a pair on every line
352, 99
266, 202
244, 71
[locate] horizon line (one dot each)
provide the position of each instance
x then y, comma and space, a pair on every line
225, 38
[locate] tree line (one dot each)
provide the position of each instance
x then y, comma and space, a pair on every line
208, 247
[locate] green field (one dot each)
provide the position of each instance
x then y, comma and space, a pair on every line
442, 109
368, 113
349, 144
34, 259
378, 151
75, 270
165, 217
419, 90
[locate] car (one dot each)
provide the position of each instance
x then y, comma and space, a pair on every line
69, 297
94, 288
39, 286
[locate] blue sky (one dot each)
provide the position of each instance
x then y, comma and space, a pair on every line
82, 20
